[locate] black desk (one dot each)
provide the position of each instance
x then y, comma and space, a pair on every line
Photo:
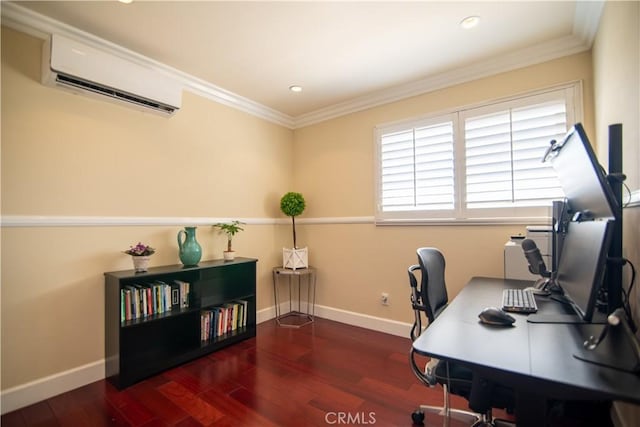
535, 359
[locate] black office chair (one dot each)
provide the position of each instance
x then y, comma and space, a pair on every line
430, 299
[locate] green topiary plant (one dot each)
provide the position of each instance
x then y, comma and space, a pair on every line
292, 204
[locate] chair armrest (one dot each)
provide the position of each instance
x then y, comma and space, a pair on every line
418, 372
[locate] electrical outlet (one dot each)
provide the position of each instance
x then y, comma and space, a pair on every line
384, 298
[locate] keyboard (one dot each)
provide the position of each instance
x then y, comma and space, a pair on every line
519, 301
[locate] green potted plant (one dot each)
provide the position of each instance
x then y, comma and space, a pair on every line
230, 229
293, 204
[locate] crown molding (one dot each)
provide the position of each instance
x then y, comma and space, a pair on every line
587, 18
585, 27
544, 52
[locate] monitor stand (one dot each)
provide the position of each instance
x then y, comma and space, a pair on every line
566, 318
572, 319
619, 349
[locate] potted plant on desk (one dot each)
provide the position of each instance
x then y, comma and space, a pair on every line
230, 229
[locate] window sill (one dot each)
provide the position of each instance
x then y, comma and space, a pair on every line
468, 221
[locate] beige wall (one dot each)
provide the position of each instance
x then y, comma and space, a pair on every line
335, 169
68, 155
616, 65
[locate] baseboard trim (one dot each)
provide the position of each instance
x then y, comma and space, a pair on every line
266, 314
393, 327
44, 388
380, 324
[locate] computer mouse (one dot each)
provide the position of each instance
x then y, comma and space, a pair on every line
495, 316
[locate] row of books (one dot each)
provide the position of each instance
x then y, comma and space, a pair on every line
146, 299
221, 320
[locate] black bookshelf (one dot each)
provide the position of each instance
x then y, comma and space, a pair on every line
138, 348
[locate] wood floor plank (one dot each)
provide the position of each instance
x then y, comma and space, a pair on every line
275, 413
235, 413
279, 410
198, 408
285, 394
332, 395
188, 422
13, 419
136, 414
150, 396
39, 414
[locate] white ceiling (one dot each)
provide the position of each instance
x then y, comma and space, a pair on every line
346, 55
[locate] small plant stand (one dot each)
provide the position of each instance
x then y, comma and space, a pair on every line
304, 313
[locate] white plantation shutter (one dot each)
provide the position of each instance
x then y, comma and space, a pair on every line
483, 163
417, 167
503, 152
434, 167
398, 171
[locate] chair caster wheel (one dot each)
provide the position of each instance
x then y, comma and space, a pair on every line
418, 417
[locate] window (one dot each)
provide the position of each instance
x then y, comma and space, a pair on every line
475, 164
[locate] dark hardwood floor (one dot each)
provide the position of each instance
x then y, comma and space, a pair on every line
327, 373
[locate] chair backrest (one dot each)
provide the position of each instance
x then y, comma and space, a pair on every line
433, 288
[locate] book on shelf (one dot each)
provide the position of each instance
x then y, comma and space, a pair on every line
243, 312
125, 304
139, 300
176, 302
223, 319
184, 293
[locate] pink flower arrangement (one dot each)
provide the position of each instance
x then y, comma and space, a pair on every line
140, 250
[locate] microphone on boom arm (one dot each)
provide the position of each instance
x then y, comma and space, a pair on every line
536, 263
537, 266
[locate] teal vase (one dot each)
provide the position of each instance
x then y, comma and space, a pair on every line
190, 250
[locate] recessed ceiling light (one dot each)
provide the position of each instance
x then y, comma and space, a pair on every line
470, 22
126, 1
295, 88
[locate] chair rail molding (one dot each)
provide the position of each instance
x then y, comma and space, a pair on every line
120, 221
124, 221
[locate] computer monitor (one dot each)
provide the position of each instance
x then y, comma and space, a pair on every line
583, 262
582, 179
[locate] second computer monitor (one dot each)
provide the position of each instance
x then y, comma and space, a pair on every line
582, 264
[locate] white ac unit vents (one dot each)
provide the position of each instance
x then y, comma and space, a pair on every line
75, 66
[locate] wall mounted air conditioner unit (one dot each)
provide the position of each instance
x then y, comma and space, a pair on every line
72, 65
